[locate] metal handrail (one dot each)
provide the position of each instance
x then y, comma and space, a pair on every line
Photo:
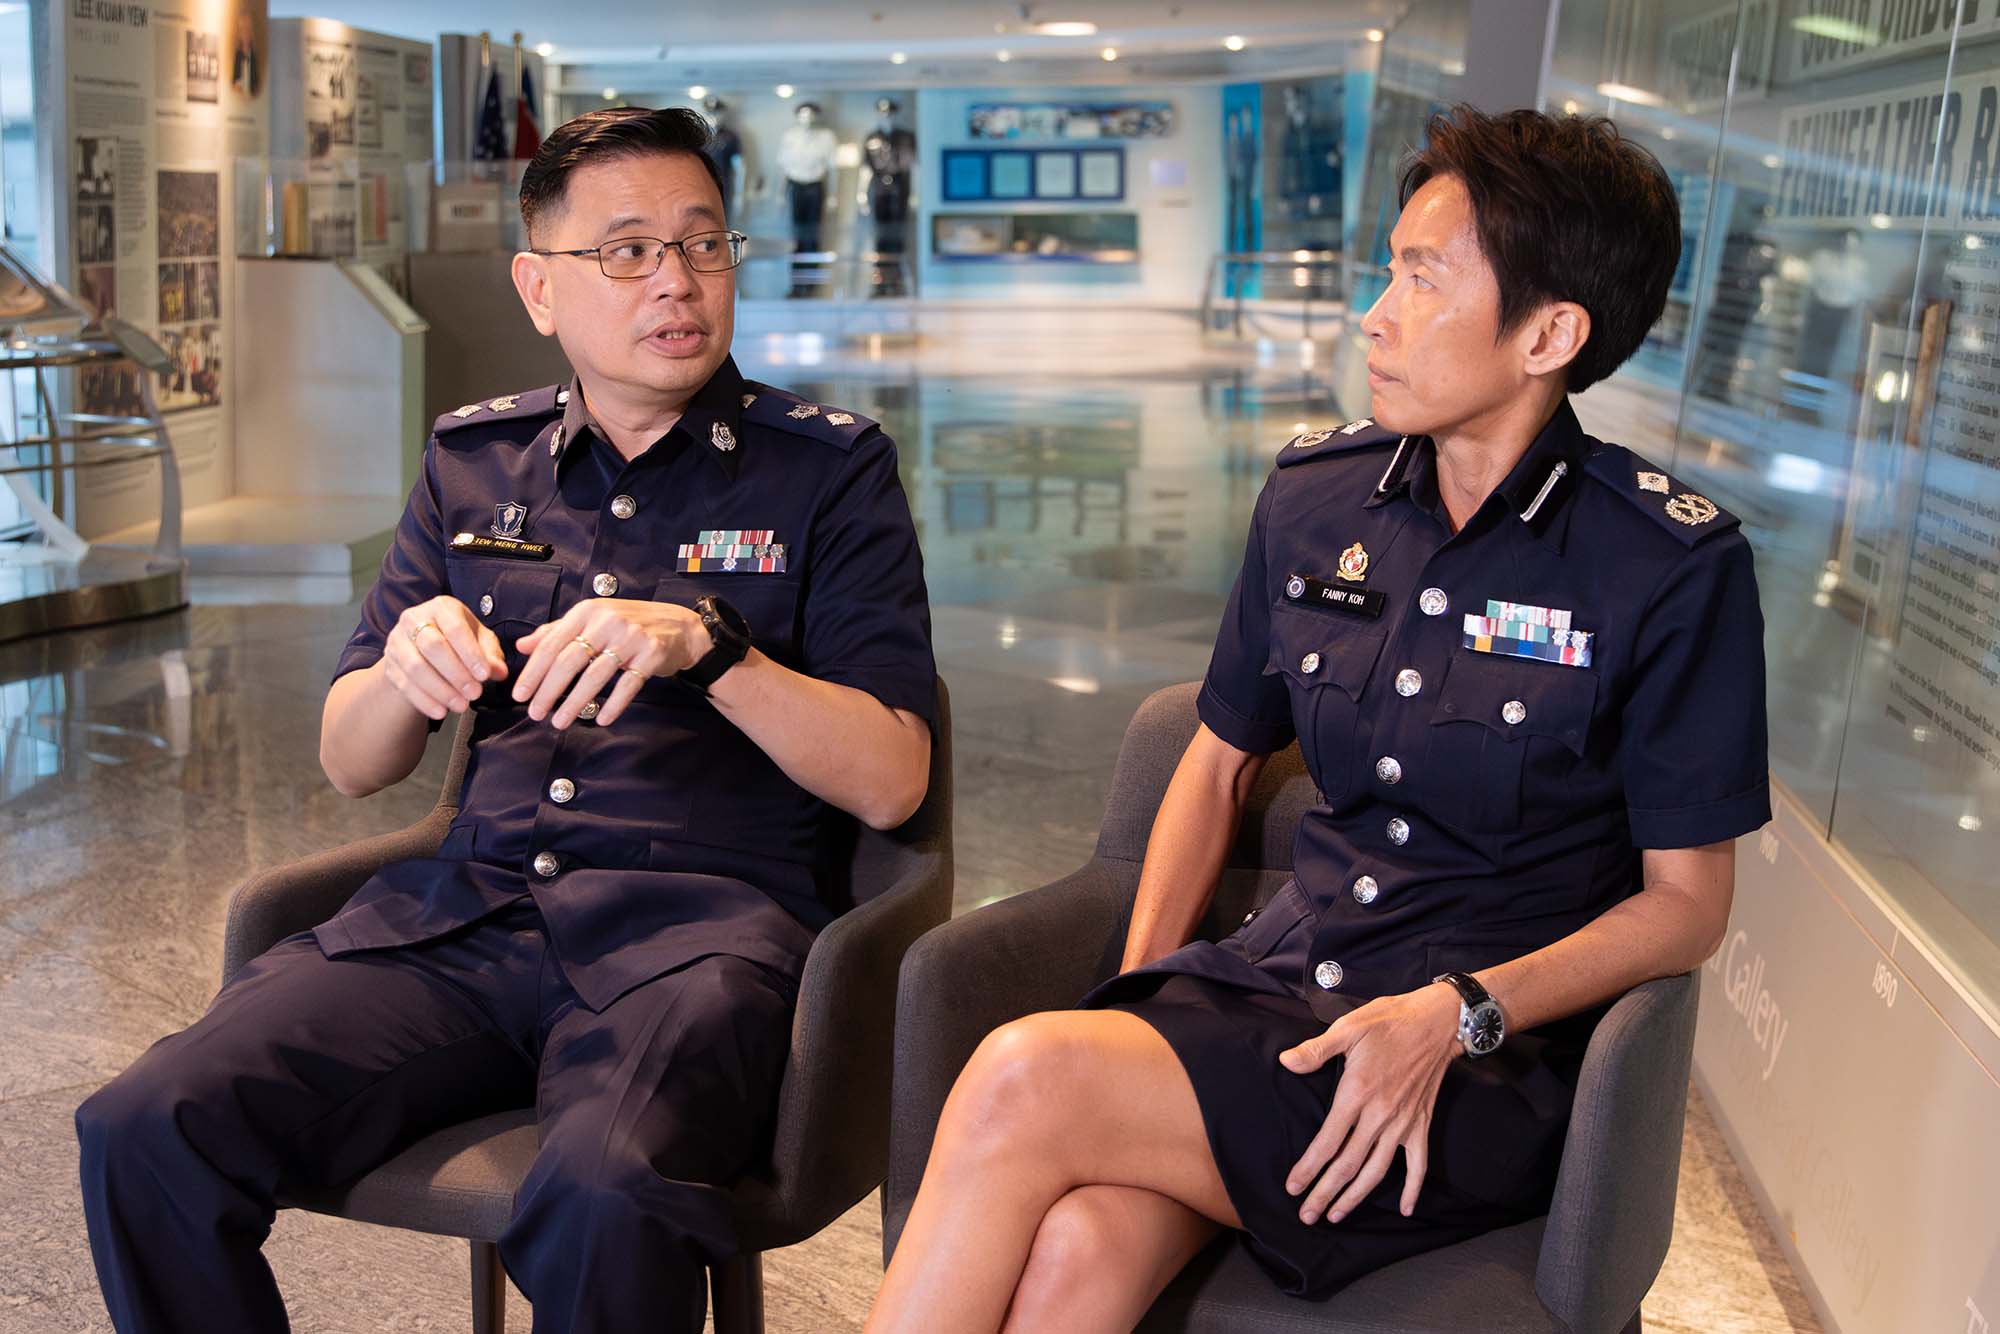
1237, 259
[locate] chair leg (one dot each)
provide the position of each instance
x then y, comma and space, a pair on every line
489, 1290
737, 1291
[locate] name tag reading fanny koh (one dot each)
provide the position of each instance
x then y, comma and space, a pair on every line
1305, 591
474, 544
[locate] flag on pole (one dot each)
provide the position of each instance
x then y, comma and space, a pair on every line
527, 134
491, 143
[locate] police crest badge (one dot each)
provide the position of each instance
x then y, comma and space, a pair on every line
508, 516
1353, 565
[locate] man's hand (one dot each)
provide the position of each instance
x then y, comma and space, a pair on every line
1397, 1048
582, 649
439, 656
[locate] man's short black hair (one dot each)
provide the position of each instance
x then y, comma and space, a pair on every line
600, 136
1567, 209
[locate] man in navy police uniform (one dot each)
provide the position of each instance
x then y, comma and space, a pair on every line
688, 614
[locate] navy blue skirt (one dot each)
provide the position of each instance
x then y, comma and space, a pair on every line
1495, 1142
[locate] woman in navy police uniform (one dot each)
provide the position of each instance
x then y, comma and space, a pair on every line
1526, 671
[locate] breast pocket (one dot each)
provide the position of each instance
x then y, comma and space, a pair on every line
1326, 660
769, 602
1506, 734
505, 592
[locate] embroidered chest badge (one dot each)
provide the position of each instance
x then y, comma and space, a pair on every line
508, 516
1353, 565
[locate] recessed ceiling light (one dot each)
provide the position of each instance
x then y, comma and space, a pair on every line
1374, 34
1233, 42
1109, 53
1066, 28
897, 57
1003, 56
698, 92
545, 49
785, 90
611, 94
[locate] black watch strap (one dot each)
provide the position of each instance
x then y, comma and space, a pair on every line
731, 636
1467, 987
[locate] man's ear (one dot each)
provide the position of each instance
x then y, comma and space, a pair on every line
531, 280
1553, 337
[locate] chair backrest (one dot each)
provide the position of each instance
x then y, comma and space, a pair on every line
1261, 859
1613, 1213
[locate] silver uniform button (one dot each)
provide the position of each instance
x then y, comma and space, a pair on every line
545, 863
1515, 712
1309, 664
624, 507
561, 791
1389, 769
1365, 889
588, 711
1328, 975
1399, 831
604, 585
486, 604
1433, 601
1409, 681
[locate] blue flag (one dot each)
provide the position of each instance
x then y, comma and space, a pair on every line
491, 143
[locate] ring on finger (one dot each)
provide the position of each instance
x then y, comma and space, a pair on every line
586, 645
612, 654
427, 625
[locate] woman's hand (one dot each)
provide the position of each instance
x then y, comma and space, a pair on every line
597, 639
1396, 1050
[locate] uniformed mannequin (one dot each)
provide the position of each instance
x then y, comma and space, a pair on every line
1525, 670
888, 157
805, 155
687, 612
725, 150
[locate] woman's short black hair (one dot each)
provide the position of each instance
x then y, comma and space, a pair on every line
599, 136
1567, 209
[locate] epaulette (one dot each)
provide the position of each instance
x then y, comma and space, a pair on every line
783, 411
1339, 440
535, 403
1675, 506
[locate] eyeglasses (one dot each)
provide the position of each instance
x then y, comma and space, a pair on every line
633, 257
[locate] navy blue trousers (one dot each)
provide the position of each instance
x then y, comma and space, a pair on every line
308, 1071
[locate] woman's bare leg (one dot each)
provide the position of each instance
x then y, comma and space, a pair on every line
1047, 1104
1101, 1255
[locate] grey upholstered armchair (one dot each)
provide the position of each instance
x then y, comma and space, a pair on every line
1581, 1270
830, 1144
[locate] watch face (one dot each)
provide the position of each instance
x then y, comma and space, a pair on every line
1484, 1029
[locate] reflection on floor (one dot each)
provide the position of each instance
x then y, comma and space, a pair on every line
1081, 527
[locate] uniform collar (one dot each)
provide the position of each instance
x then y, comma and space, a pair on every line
1537, 490
711, 424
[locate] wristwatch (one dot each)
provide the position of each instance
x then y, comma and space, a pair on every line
1481, 1026
731, 635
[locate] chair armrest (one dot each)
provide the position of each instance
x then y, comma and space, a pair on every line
830, 1144
286, 900
1041, 950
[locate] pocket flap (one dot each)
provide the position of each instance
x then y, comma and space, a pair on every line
1518, 697
1316, 648
521, 593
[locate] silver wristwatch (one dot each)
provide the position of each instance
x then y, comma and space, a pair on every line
1481, 1026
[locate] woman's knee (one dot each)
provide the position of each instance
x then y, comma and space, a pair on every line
1024, 1077
1083, 1240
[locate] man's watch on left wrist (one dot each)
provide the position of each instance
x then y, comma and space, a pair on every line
729, 632
1481, 1026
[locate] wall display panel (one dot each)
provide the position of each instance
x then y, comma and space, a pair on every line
1069, 120
974, 175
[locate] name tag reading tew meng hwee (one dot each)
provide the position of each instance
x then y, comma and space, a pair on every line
477, 544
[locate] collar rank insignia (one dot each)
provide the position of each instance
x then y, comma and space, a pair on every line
562, 398
1353, 563
505, 403
1362, 425
840, 419
466, 411
1653, 481
748, 399
732, 551
803, 411
722, 437
508, 516
1691, 509
555, 441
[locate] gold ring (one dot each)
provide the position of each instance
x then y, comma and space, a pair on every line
427, 625
612, 654
586, 645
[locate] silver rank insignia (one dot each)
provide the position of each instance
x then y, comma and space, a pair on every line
562, 397
555, 441
466, 411
1653, 481
1353, 427
721, 437
508, 516
1311, 438
748, 399
803, 411
1691, 509
839, 419
505, 403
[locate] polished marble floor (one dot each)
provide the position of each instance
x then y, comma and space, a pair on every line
1082, 517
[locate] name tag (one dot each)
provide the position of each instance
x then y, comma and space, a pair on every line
1304, 591
475, 544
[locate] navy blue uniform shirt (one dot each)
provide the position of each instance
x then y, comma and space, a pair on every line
670, 835
1497, 720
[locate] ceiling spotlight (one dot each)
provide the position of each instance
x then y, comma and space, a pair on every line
897, 57
1003, 56
1233, 42
1374, 34
1066, 28
697, 92
611, 94
785, 90
545, 49
1625, 92
1109, 53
